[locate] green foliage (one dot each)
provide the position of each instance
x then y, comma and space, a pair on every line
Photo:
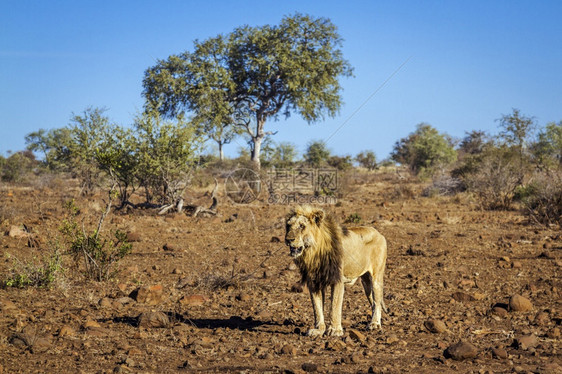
40, 273
340, 162
167, 154
317, 154
353, 218
474, 143
516, 131
16, 166
547, 150
98, 253
280, 155
367, 159
424, 151
254, 74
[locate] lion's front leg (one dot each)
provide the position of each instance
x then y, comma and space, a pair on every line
318, 307
336, 312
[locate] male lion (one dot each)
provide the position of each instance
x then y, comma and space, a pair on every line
330, 255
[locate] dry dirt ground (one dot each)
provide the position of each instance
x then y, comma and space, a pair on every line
219, 294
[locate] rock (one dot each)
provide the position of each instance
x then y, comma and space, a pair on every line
289, 350
516, 265
106, 302
519, 303
133, 237
275, 239
499, 353
462, 297
90, 324
29, 339
153, 320
499, 311
18, 232
541, 318
435, 326
526, 341
309, 367
193, 300
184, 282
124, 300
66, 330
461, 350
169, 247
335, 345
357, 335
392, 339
150, 295
297, 288
292, 266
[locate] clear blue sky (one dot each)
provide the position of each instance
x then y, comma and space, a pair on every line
471, 62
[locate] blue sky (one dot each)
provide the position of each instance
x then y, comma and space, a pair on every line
469, 62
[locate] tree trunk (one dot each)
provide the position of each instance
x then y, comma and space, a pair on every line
221, 152
256, 149
257, 140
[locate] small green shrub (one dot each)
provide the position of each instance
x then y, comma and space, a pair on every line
42, 273
99, 254
353, 218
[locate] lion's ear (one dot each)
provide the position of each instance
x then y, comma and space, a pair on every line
317, 216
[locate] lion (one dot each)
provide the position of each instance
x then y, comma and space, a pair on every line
328, 254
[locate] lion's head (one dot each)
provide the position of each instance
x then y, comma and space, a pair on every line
302, 227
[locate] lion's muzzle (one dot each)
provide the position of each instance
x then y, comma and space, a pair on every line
295, 251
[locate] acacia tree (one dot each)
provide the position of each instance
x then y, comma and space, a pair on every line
516, 132
254, 74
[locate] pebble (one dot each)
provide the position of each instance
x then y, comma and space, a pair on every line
356, 335
519, 303
150, 295
461, 350
193, 300
154, 320
435, 326
526, 341
133, 237
462, 297
499, 311
106, 302
499, 353
289, 350
66, 330
309, 367
541, 318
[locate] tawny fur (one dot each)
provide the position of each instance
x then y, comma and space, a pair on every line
329, 255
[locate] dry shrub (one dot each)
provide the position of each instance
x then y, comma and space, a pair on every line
542, 199
404, 192
444, 186
494, 180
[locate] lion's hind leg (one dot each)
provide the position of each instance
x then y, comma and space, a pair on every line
373, 291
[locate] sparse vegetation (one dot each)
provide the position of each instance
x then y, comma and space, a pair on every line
42, 272
98, 253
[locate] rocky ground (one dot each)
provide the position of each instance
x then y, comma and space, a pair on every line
468, 291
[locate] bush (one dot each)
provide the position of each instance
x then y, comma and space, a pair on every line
494, 177
542, 199
367, 159
354, 218
16, 166
424, 151
317, 154
98, 253
40, 273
